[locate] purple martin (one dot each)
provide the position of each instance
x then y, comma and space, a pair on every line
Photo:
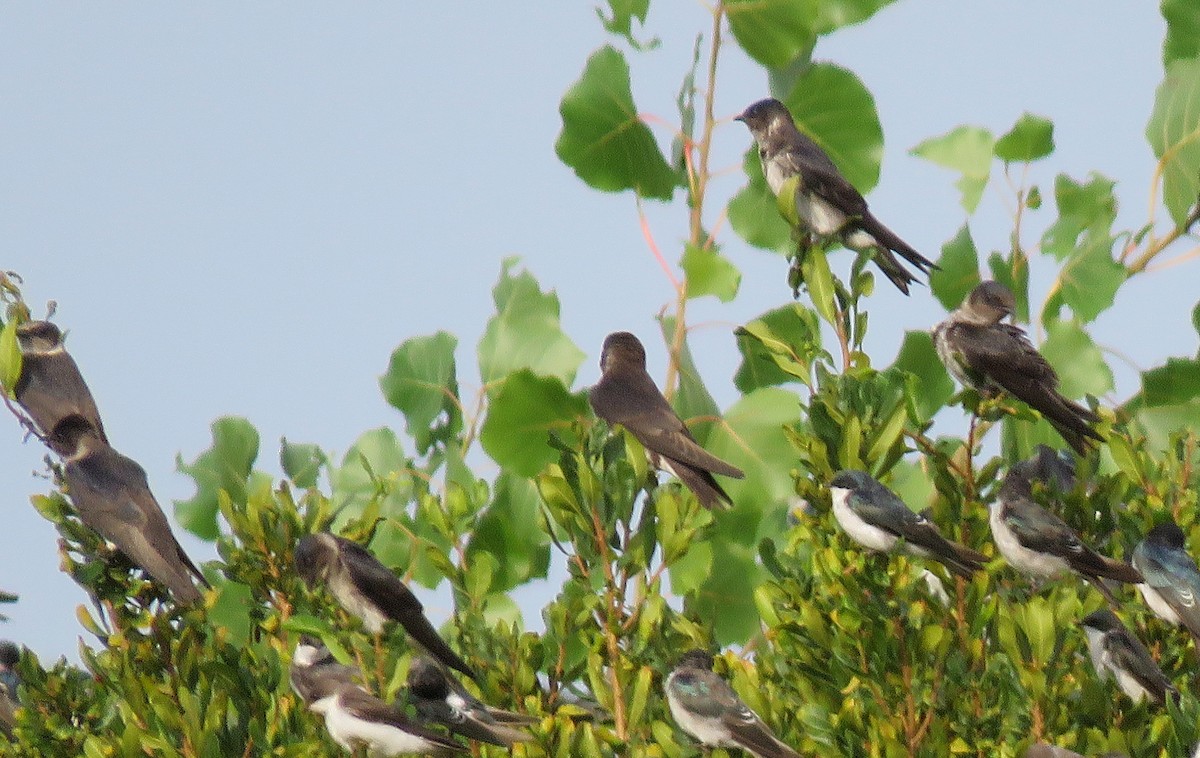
876, 518
991, 357
1040, 544
626, 395
111, 495
50, 387
826, 203
706, 707
1116, 652
1172, 580
441, 700
369, 590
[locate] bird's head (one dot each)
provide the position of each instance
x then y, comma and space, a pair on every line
426, 679
314, 555
1169, 534
622, 348
697, 658
1102, 620
72, 436
39, 336
990, 303
763, 115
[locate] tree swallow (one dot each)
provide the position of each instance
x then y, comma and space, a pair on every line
1038, 543
826, 202
314, 672
1116, 652
706, 707
51, 387
112, 497
626, 395
991, 357
441, 700
877, 519
354, 717
1172, 580
369, 590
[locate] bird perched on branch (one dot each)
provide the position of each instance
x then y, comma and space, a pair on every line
50, 387
991, 357
826, 204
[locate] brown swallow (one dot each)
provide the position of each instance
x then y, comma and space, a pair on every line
50, 387
111, 496
626, 395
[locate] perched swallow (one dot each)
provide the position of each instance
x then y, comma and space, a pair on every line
441, 700
111, 496
10, 655
369, 590
50, 387
826, 202
1039, 544
354, 717
1116, 652
877, 519
1172, 580
706, 707
991, 357
314, 672
626, 395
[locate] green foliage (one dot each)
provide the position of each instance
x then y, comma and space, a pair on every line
853, 653
10, 357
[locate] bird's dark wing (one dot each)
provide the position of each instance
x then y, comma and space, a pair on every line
472, 724
366, 706
397, 602
1129, 653
1038, 529
885, 510
1174, 575
112, 496
819, 175
629, 398
748, 730
51, 388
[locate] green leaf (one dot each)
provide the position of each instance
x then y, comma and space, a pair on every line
835, 14
1089, 207
772, 32
1088, 283
525, 332
10, 357
1196, 318
710, 273
958, 271
422, 383
1014, 274
1031, 138
778, 347
301, 462
620, 20
510, 530
1174, 134
692, 399
1077, 360
834, 107
819, 280
602, 137
232, 610
934, 387
1183, 30
226, 466
374, 469
753, 213
967, 150
1178, 381
520, 417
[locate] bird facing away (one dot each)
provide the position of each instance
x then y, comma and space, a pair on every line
826, 203
314, 673
1116, 652
355, 717
441, 700
876, 518
370, 591
991, 357
706, 707
1172, 579
112, 497
50, 387
1039, 544
626, 395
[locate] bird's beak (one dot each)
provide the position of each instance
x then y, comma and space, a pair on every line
740, 117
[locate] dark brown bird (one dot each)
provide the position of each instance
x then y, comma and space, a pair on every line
626, 395
112, 496
50, 387
369, 590
991, 357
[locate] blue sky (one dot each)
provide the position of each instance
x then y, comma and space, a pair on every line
243, 209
